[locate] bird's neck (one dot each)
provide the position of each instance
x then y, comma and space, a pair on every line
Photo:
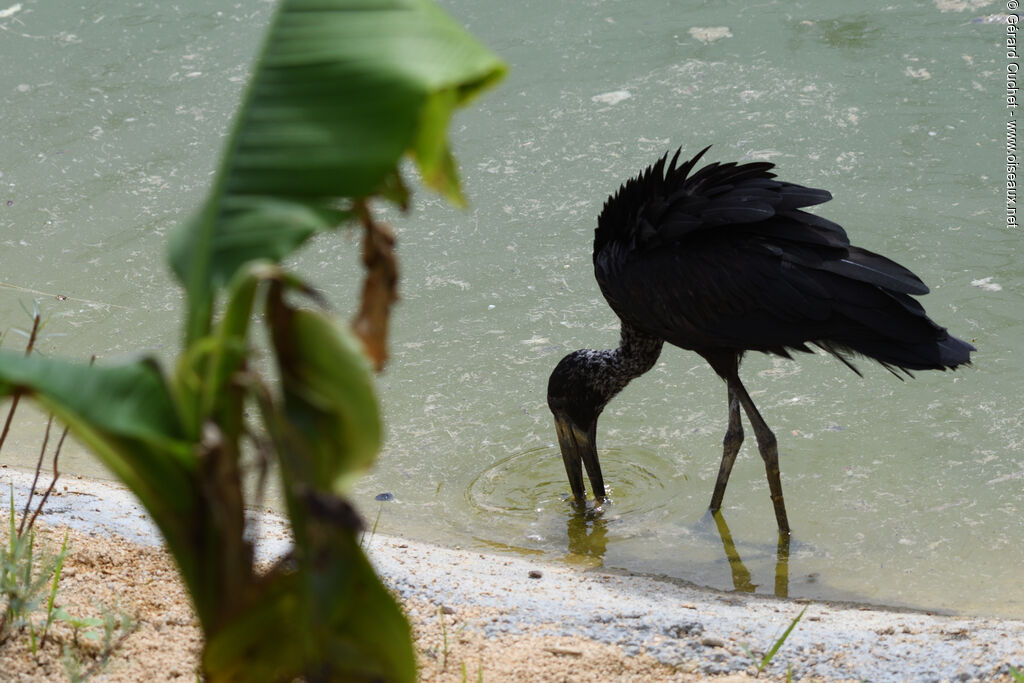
613, 369
637, 352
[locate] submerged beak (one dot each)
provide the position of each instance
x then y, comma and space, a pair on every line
579, 449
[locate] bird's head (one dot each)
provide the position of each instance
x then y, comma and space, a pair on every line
576, 398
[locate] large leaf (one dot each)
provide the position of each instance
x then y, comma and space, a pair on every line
328, 429
129, 400
125, 415
330, 616
342, 90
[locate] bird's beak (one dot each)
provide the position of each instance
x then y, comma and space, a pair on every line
579, 449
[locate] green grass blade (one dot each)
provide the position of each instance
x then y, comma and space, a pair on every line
53, 588
767, 659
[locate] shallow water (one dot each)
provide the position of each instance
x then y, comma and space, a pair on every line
904, 493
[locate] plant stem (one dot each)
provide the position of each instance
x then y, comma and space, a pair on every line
53, 482
35, 479
16, 395
53, 587
444, 637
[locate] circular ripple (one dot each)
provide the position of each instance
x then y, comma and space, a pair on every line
528, 482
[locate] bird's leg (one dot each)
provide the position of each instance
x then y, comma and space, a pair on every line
768, 446
730, 447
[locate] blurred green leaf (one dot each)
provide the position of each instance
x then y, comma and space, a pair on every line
125, 415
124, 412
352, 628
333, 424
130, 400
342, 90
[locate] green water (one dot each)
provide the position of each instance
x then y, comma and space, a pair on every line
906, 493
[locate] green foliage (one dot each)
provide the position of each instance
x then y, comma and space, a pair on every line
766, 659
327, 392
51, 606
25, 574
342, 90
21, 581
80, 624
111, 630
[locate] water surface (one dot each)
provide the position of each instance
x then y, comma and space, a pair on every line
906, 493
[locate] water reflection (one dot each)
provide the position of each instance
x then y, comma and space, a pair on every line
587, 531
495, 296
741, 578
524, 496
587, 534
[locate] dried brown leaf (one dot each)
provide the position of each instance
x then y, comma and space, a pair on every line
380, 288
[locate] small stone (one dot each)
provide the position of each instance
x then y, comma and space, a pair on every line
445, 609
535, 574
689, 628
711, 641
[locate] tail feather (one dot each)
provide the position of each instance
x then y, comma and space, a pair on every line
867, 266
948, 352
954, 352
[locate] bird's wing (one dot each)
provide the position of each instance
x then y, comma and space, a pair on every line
726, 258
665, 205
752, 294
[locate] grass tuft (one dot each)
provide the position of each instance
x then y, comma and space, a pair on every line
766, 659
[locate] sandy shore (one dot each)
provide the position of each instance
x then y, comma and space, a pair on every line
507, 617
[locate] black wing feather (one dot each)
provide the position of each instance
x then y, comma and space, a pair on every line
866, 266
726, 258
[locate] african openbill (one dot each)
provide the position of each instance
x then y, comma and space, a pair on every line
722, 262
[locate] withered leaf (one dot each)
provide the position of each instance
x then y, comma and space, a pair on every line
380, 288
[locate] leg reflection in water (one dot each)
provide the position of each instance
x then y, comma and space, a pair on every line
740, 574
588, 540
588, 536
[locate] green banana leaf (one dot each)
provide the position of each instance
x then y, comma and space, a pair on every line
342, 91
326, 428
330, 409
129, 400
351, 627
126, 416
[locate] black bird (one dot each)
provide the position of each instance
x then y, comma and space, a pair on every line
722, 262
